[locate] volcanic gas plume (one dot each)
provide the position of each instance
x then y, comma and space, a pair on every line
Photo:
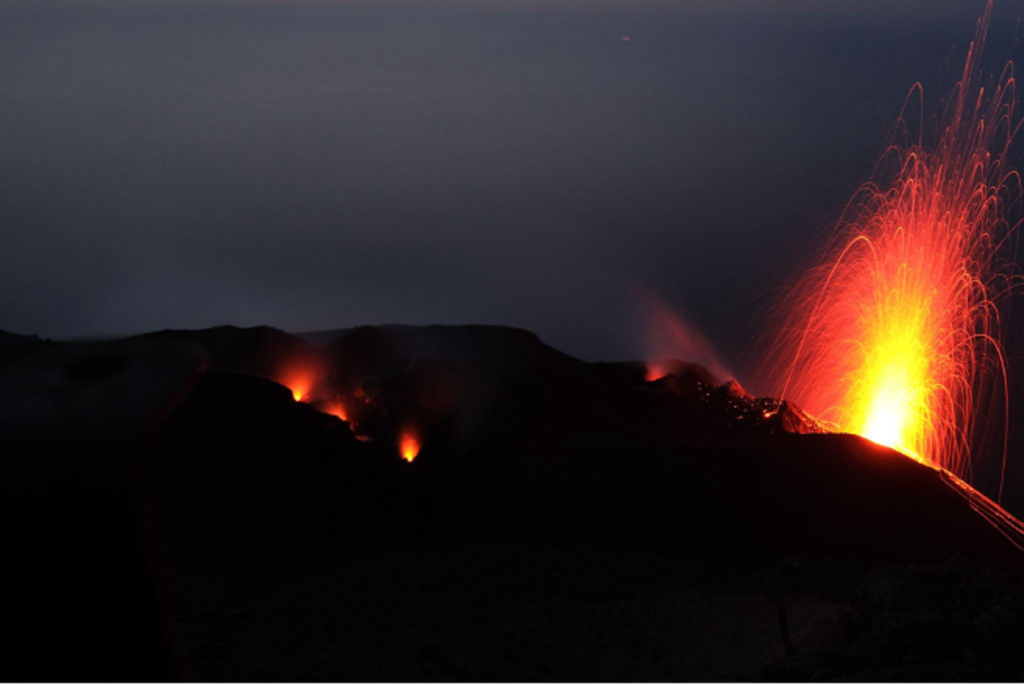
895, 334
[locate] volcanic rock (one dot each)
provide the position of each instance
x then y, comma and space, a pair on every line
13, 345
952, 621
261, 498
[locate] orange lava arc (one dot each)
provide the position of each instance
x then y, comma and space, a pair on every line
895, 335
408, 446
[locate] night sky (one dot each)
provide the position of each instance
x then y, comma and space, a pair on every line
321, 164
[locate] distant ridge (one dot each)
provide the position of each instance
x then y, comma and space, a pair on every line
8, 338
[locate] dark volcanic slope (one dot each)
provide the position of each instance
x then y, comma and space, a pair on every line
262, 350
13, 345
519, 439
563, 521
7, 338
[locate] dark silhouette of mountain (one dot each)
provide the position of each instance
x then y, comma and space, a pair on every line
13, 345
495, 353
586, 490
265, 492
260, 350
596, 450
7, 338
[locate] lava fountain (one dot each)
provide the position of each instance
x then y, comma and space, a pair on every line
895, 334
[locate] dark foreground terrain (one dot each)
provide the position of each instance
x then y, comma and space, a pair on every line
560, 520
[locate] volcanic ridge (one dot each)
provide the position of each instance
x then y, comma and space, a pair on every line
467, 502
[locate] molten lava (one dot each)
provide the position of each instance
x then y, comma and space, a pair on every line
895, 335
408, 446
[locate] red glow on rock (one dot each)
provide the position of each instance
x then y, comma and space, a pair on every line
337, 408
655, 372
300, 387
301, 378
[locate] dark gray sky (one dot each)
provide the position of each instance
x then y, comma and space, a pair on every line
321, 164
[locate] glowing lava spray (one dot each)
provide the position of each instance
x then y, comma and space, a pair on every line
895, 335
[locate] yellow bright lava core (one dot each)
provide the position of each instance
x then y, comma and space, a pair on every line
891, 395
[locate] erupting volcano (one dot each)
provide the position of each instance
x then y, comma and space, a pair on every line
895, 335
314, 499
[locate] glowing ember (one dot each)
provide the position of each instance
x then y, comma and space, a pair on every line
300, 381
301, 378
336, 408
654, 372
408, 446
299, 392
895, 336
